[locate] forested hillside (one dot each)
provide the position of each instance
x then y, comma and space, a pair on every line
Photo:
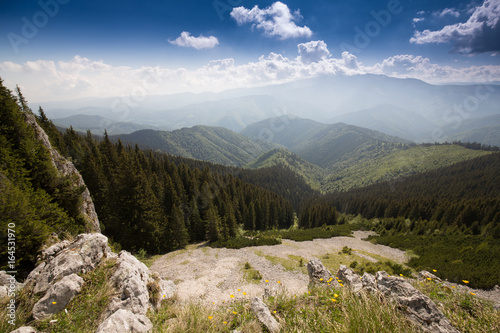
35, 199
448, 217
214, 144
145, 200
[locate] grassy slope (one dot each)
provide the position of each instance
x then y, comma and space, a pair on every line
360, 171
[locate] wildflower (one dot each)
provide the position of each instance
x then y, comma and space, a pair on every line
341, 285
274, 311
164, 296
234, 312
333, 300
244, 293
54, 302
232, 296
335, 295
279, 282
434, 270
210, 317
239, 289
267, 281
400, 274
472, 293
429, 279
465, 281
213, 302
224, 322
453, 287
321, 279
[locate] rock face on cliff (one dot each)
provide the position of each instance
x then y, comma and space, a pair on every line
57, 280
66, 168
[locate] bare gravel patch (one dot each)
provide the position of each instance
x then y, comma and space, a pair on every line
208, 275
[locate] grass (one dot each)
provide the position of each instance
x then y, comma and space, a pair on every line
83, 312
250, 274
326, 310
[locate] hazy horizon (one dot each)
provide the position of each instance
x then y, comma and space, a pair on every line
64, 50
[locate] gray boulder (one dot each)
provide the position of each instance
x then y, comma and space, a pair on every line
8, 283
264, 315
131, 283
424, 275
350, 278
25, 329
318, 273
58, 296
160, 289
125, 321
65, 258
418, 307
369, 282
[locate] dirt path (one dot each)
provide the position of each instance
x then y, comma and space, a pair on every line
213, 275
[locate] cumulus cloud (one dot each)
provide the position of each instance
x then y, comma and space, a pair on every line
200, 42
313, 51
81, 77
418, 19
479, 34
448, 11
275, 20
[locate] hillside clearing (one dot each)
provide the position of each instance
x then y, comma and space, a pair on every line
211, 275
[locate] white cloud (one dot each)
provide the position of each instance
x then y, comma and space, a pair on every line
275, 21
313, 51
81, 77
418, 19
448, 11
201, 42
479, 34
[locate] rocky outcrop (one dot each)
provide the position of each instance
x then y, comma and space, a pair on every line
65, 258
25, 329
261, 311
424, 275
125, 321
347, 275
418, 307
318, 273
66, 168
130, 280
58, 296
8, 284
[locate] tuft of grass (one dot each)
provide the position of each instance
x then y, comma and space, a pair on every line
250, 274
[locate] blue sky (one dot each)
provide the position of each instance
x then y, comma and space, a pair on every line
76, 48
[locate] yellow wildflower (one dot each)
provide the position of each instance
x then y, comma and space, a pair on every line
244, 293
333, 300
210, 317
234, 312
341, 285
267, 281
465, 281
239, 289
429, 279
472, 293
335, 295
434, 270
224, 322
232, 296
279, 282
321, 279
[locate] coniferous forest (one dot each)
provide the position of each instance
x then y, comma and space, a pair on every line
157, 203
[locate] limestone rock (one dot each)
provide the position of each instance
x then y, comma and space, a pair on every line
80, 256
349, 277
131, 283
418, 307
8, 283
369, 282
66, 168
264, 315
160, 288
25, 329
58, 296
125, 321
317, 272
427, 275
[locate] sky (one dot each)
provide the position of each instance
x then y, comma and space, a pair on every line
71, 49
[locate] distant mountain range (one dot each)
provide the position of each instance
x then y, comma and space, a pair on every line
408, 108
